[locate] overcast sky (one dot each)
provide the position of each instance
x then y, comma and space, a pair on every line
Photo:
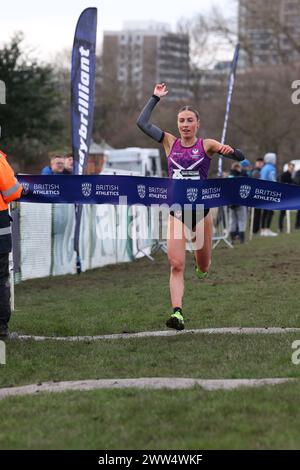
49, 25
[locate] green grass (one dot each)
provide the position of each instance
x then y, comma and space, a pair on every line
215, 356
252, 285
265, 418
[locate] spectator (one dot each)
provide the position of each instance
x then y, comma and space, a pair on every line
296, 180
268, 173
57, 163
68, 167
287, 178
255, 173
10, 190
237, 214
245, 168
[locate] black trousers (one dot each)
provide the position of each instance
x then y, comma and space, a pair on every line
281, 220
256, 220
297, 223
266, 218
5, 311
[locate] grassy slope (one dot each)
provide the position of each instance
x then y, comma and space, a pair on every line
133, 419
252, 285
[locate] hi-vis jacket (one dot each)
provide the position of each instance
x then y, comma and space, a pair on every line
10, 190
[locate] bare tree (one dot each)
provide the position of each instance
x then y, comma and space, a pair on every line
263, 117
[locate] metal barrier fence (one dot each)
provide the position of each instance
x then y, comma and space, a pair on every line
43, 237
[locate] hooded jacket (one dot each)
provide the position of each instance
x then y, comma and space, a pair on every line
10, 189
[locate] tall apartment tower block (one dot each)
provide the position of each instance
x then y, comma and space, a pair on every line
269, 31
143, 54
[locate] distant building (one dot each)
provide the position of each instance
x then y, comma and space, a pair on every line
147, 53
269, 31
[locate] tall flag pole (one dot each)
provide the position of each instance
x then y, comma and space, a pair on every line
82, 101
228, 104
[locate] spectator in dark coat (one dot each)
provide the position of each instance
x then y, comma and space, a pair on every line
296, 180
255, 173
285, 177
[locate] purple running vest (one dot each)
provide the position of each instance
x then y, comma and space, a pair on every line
188, 162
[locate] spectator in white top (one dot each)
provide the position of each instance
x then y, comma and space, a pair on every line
268, 173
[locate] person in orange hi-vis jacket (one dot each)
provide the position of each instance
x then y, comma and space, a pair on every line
10, 190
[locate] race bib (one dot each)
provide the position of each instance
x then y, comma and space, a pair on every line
185, 175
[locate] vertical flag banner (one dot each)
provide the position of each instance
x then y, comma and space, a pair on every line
228, 103
82, 99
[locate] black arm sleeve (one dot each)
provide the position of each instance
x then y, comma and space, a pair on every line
143, 120
237, 155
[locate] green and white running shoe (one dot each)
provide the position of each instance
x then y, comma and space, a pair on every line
199, 273
176, 321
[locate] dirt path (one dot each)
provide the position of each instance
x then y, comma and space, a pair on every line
148, 334
140, 383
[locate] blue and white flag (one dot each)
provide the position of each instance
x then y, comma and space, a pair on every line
82, 99
83, 87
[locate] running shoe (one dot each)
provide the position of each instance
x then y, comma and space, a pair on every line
199, 273
176, 321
